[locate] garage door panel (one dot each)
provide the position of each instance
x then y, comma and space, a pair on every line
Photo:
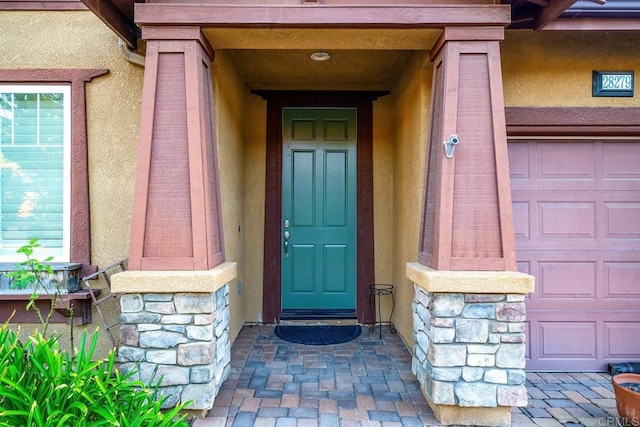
521, 219
621, 340
519, 162
621, 161
575, 340
566, 220
566, 279
622, 280
553, 164
530, 337
622, 220
566, 339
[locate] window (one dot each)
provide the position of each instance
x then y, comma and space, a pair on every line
35, 153
71, 81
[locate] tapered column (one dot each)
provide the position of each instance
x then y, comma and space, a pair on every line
468, 308
467, 219
177, 221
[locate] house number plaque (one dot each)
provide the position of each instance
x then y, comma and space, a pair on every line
613, 83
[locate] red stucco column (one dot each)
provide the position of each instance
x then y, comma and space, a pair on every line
177, 221
467, 221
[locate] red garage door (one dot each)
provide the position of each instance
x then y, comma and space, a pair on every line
577, 222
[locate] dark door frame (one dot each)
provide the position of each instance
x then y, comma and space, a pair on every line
365, 272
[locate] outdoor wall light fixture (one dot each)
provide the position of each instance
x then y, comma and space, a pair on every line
320, 56
450, 145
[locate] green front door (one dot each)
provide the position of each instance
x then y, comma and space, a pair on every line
318, 212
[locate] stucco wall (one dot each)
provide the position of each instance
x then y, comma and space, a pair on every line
553, 69
411, 99
78, 39
230, 96
255, 170
383, 174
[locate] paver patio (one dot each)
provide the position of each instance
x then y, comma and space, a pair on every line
368, 382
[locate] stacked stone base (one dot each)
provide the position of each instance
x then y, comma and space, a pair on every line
179, 340
469, 351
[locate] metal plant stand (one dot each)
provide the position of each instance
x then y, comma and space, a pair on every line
376, 292
106, 274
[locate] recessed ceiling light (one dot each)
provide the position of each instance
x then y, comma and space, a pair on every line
320, 56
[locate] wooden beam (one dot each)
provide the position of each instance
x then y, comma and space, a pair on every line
551, 12
116, 20
320, 16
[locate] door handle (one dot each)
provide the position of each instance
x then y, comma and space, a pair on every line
286, 244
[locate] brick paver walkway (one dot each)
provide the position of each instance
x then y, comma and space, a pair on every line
568, 399
368, 382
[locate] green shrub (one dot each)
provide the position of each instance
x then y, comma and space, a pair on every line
41, 385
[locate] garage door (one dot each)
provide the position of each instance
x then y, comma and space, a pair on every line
577, 222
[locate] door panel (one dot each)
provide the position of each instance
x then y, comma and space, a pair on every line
319, 206
303, 188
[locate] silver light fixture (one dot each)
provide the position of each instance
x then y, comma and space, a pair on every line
320, 56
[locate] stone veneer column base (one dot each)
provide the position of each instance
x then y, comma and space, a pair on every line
469, 350
175, 329
458, 415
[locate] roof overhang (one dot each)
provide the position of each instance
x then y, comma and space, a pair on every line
574, 15
126, 17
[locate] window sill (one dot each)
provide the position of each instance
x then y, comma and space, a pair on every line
13, 306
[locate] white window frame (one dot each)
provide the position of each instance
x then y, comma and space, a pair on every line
59, 254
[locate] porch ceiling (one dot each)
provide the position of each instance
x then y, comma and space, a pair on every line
294, 70
278, 59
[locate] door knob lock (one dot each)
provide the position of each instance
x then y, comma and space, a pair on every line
286, 244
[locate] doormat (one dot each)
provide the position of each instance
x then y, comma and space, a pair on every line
318, 334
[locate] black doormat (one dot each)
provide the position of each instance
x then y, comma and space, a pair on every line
318, 334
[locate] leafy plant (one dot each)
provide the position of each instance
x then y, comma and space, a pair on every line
30, 272
42, 386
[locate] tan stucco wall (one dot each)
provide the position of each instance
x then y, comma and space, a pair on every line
255, 170
411, 100
553, 69
230, 97
383, 174
78, 39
